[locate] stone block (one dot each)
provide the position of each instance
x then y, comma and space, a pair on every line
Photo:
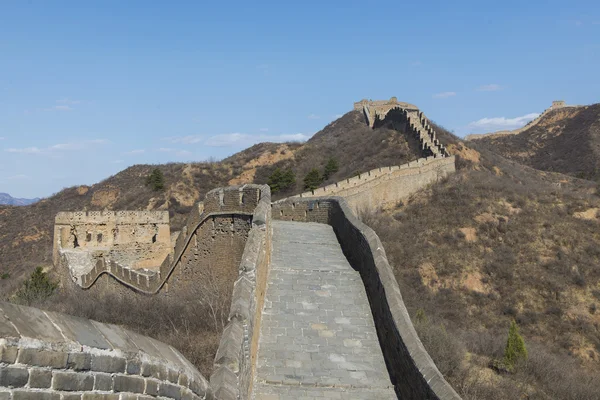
100, 396
103, 382
72, 381
6, 328
40, 378
8, 354
124, 383
79, 361
151, 387
116, 336
29, 395
13, 376
169, 390
5, 395
71, 396
134, 367
43, 358
152, 370
110, 364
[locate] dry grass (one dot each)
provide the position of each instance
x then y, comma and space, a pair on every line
530, 258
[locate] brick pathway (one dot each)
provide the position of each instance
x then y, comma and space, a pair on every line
317, 338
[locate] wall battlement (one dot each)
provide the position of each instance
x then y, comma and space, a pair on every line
381, 187
409, 115
118, 217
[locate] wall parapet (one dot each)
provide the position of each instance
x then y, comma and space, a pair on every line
381, 186
128, 217
48, 355
235, 359
234, 200
411, 369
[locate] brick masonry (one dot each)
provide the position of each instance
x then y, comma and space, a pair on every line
59, 357
412, 371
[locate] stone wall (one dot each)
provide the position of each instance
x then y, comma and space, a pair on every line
142, 239
52, 356
236, 356
211, 242
411, 369
386, 186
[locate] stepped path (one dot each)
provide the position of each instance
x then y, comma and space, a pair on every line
317, 338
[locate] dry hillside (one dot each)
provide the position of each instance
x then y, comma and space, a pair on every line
26, 232
494, 242
566, 140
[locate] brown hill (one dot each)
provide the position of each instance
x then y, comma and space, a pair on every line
26, 232
494, 242
566, 140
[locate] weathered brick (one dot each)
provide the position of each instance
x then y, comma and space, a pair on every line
5, 395
134, 367
151, 387
79, 361
103, 382
70, 396
100, 396
72, 381
13, 376
40, 378
124, 383
128, 396
169, 390
42, 358
183, 380
29, 395
8, 354
108, 364
150, 370
172, 375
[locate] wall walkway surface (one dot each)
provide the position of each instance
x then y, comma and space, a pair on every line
412, 371
318, 337
52, 356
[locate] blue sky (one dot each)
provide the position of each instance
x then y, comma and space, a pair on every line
88, 88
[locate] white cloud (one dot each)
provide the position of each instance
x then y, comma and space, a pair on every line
61, 107
18, 177
190, 139
68, 101
444, 95
313, 116
492, 87
2, 138
177, 152
497, 123
134, 152
244, 139
55, 148
264, 129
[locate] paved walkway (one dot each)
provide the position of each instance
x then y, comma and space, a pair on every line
317, 338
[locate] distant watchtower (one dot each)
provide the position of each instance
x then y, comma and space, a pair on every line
558, 103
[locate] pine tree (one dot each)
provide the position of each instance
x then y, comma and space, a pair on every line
313, 179
330, 168
35, 289
280, 181
156, 180
515, 347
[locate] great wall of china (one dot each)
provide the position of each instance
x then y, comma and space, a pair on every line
281, 319
556, 105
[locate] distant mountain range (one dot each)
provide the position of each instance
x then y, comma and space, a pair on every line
7, 199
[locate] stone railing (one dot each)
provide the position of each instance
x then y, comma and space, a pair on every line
388, 185
52, 356
411, 369
235, 360
242, 200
